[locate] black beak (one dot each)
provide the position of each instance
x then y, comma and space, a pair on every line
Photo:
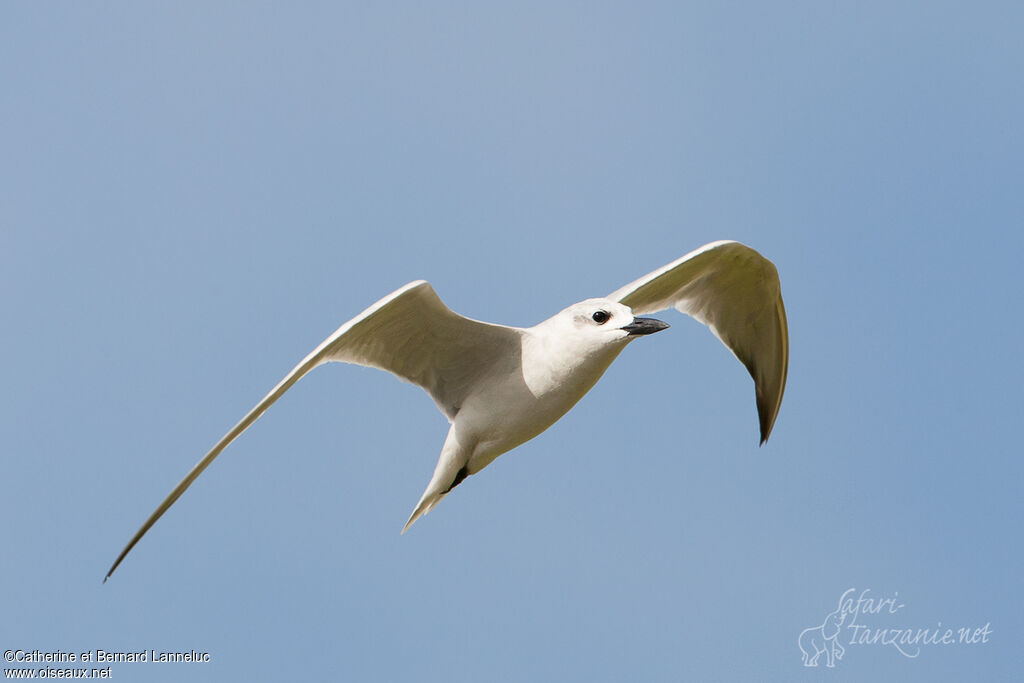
644, 326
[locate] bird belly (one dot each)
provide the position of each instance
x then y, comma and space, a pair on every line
512, 411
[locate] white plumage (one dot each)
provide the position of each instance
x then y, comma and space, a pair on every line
500, 386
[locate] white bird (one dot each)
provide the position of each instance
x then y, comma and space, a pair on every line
501, 386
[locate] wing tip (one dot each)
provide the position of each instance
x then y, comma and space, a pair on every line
766, 430
768, 407
117, 562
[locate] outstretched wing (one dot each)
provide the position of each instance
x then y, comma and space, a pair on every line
735, 291
410, 333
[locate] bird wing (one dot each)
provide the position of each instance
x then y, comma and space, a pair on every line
736, 292
410, 333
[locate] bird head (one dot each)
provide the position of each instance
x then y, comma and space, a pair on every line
597, 323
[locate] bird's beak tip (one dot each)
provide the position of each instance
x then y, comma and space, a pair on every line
641, 326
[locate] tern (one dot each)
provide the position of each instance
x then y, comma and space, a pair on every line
500, 386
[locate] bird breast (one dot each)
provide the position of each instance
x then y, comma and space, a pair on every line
516, 406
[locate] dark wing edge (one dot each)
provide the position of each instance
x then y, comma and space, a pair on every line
319, 355
735, 291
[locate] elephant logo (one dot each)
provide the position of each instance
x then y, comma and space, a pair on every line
823, 639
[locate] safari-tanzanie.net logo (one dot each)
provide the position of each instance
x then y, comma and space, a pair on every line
862, 619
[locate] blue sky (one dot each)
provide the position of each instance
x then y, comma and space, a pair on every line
193, 196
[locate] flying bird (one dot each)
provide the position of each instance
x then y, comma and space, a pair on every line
501, 386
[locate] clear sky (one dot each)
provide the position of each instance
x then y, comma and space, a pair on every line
193, 195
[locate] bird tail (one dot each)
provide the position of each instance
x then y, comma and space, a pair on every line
426, 504
450, 471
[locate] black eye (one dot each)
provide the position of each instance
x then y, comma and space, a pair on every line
601, 317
